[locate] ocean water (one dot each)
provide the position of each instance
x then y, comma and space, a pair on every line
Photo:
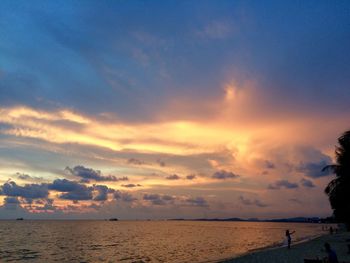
140, 241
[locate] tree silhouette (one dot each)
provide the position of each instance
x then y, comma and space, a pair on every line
338, 190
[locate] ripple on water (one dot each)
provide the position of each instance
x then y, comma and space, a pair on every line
18, 255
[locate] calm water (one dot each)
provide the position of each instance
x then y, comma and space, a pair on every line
139, 241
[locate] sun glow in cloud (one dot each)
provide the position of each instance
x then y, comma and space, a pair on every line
213, 155
178, 137
210, 109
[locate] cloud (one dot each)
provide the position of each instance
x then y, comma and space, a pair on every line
70, 190
135, 161
131, 185
249, 202
168, 197
269, 164
64, 185
307, 183
83, 193
282, 184
191, 177
173, 177
44, 205
26, 191
73, 190
124, 196
198, 201
224, 175
11, 200
102, 192
157, 199
314, 169
91, 174
161, 200
11, 203
27, 177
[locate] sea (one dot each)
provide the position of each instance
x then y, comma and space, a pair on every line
141, 241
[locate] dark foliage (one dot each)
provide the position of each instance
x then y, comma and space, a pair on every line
338, 190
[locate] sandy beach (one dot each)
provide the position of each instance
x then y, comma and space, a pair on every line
310, 249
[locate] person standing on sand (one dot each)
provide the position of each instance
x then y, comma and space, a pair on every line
289, 238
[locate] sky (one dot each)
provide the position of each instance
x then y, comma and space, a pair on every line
170, 109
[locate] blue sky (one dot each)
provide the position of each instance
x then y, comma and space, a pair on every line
209, 86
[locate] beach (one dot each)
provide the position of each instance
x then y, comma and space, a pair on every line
311, 249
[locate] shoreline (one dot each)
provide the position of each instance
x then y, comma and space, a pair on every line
311, 248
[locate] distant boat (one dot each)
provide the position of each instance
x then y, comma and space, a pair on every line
20, 218
113, 219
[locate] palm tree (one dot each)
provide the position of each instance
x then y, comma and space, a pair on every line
338, 190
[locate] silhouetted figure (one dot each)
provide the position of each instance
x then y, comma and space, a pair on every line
289, 238
332, 256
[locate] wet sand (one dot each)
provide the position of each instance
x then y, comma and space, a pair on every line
310, 249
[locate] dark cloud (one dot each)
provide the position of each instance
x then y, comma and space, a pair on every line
64, 185
28, 177
269, 164
102, 192
28, 200
84, 181
11, 200
131, 185
26, 191
11, 203
282, 184
151, 197
314, 169
198, 201
73, 190
255, 202
70, 190
124, 196
224, 175
79, 194
173, 177
157, 199
168, 198
307, 183
91, 174
135, 161
191, 177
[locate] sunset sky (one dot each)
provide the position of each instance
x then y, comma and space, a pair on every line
171, 109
